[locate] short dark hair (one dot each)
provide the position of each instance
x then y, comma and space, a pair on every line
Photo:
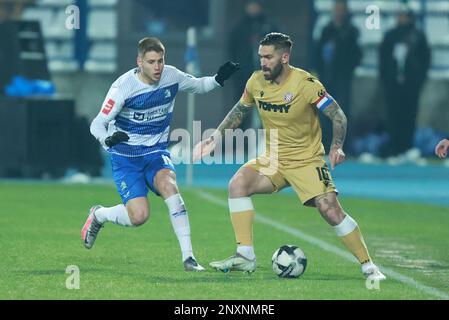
278, 40
150, 44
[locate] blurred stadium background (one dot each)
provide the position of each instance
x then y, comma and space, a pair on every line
45, 132
80, 65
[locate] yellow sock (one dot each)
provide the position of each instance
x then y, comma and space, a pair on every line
350, 235
242, 217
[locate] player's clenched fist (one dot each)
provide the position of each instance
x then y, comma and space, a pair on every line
336, 156
226, 71
116, 138
203, 148
441, 148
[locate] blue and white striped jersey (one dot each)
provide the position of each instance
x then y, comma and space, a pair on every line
144, 111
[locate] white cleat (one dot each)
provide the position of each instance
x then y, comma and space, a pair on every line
235, 263
372, 272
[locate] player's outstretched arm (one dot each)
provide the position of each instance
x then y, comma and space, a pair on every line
233, 120
226, 71
339, 125
192, 84
441, 148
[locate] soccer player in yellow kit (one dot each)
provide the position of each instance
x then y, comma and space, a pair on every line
288, 100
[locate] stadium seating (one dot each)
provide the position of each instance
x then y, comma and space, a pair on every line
60, 41
435, 25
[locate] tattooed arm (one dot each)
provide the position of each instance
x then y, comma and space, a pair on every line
339, 124
233, 120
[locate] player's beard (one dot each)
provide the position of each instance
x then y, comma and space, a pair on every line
274, 73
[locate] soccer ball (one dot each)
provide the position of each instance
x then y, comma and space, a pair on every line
289, 262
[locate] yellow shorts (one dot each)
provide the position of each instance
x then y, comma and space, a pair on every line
309, 178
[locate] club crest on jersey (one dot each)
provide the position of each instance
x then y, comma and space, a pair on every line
167, 94
288, 97
108, 107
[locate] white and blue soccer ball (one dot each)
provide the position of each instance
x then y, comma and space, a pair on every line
289, 261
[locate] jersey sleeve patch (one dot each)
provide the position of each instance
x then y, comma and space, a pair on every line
323, 101
108, 107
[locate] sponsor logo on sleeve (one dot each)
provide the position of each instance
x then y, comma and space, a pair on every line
108, 107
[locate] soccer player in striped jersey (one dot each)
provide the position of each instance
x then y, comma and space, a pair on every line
133, 126
288, 100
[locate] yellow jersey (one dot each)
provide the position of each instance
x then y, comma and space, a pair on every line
292, 108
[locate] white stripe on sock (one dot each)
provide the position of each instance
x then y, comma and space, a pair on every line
240, 204
346, 226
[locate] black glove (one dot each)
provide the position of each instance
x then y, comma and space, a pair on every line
116, 138
226, 71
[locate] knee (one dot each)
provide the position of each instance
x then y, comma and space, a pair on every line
139, 216
238, 187
166, 184
336, 216
168, 188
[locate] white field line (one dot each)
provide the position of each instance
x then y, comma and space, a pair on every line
329, 247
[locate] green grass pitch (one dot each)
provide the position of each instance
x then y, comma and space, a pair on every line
40, 237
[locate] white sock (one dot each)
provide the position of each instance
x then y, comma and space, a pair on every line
368, 265
180, 222
246, 251
117, 215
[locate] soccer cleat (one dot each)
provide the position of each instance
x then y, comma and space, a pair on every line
91, 228
372, 272
190, 264
235, 263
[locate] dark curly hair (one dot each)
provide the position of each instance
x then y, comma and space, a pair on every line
280, 41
